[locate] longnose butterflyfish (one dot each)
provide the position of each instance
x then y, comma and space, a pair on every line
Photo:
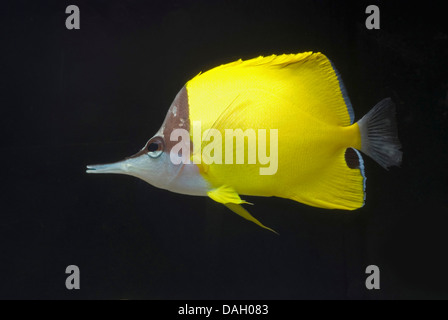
280, 125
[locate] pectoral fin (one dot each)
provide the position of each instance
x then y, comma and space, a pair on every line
230, 198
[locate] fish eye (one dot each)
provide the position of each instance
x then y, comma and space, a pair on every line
155, 147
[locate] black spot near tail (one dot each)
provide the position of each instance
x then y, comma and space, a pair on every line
352, 158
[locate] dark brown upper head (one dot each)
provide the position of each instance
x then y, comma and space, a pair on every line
177, 117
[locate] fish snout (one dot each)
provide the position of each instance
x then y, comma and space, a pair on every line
116, 167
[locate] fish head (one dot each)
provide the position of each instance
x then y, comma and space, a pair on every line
153, 163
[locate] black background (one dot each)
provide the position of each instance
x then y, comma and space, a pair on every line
75, 97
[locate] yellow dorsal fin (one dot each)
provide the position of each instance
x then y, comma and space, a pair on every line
298, 79
272, 60
230, 198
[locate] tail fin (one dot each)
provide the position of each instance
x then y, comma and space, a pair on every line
379, 139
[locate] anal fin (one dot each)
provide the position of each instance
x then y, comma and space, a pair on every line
238, 209
230, 198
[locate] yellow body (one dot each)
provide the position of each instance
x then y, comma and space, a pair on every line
299, 95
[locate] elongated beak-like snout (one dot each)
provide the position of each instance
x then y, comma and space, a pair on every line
141, 166
116, 167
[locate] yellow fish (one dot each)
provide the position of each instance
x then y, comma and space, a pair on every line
271, 126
